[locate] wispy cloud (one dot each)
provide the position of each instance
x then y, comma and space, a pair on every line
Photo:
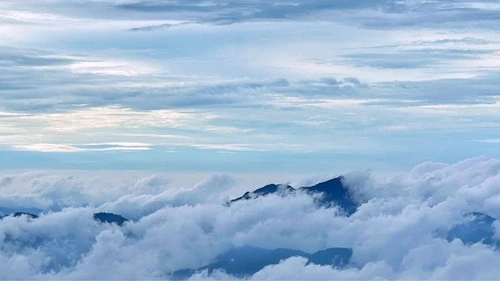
363, 77
488, 140
47, 147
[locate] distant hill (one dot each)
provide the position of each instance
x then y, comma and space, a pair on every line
110, 218
246, 261
100, 217
478, 227
19, 214
334, 193
5, 211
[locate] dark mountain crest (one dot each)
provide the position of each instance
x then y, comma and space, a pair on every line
476, 228
21, 214
333, 193
480, 216
110, 218
336, 257
246, 261
101, 217
265, 190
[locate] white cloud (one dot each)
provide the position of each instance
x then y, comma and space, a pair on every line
110, 68
116, 127
48, 147
488, 140
117, 146
175, 228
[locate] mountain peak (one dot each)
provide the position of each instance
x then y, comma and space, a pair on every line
477, 227
21, 214
110, 218
246, 261
333, 191
265, 190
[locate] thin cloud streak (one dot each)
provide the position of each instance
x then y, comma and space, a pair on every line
365, 78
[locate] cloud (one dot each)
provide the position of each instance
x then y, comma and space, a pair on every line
373, 14
380, 14
208, 113
415, 58
229, 12
47, 147
266, 84
287, 87
488, 140
173, 229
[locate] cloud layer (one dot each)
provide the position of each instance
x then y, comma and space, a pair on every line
393, 234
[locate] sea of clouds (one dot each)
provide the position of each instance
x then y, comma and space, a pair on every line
392, 235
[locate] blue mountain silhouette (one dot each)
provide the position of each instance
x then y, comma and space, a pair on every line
101, 217
19, 214
110, 218
478, 227
334, 193
246, 261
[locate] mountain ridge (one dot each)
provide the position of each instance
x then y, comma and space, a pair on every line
334, 193
246, 260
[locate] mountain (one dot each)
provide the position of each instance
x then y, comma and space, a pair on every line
101, 217
19, 214
110, 218
246, 261
265, 190
5, 211
332, 256
334, 193
478, 227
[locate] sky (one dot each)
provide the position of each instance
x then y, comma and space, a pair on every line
255, 86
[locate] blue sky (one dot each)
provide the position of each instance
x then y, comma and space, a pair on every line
247, 86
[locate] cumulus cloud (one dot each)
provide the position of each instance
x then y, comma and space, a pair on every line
393, 235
